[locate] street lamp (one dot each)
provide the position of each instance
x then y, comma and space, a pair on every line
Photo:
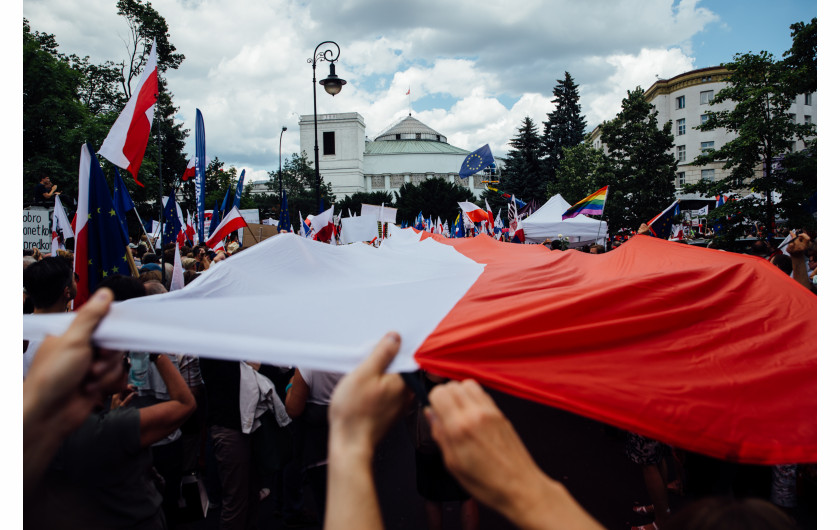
332, 84
280, 157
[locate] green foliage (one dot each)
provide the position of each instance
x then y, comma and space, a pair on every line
353, 203
565, 126
762, 90
435, 197
801, 58
583, 170
523, 172
52, 115
299, 184
643, 166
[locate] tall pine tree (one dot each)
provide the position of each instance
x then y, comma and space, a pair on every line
643, 163
565, 126
523, 173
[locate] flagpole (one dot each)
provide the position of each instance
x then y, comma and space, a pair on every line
144, 231
160, 186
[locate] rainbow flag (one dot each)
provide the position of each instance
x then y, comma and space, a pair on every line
592, 205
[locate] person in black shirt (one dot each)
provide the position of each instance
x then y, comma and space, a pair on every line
45, 190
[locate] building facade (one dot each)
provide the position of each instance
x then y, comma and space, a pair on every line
407, 152
684, 100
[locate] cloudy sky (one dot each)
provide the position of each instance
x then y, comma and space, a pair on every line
475, 68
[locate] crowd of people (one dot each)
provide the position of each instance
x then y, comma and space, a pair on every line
111, 437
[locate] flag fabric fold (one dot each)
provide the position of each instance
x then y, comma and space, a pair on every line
323, 226
200, 174
177, 271
285, 221
172, 221
100, 241
590, 205
472, 212
60, 225
126, 142
232, 221
479, 159
566, 329
190, 171
660, 226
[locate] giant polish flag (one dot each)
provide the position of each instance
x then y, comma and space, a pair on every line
707, 350
125, 144
474, 213
233, 221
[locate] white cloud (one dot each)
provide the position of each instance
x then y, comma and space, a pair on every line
475, 67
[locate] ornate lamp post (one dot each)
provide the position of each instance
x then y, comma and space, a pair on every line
280, 157
332, 84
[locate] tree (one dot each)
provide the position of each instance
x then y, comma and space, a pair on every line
582, 170
565, 126
644, 167
353, 203
801, 58
299, 183
523, 173
52, 115
761, 90
435, 197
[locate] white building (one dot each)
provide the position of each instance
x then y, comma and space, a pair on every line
408, 151
684, 100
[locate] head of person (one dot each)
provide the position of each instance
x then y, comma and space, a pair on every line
50, 283
124, 287
596, 249
149, 257
151, 276
812, 260
169, 256
45, 181
154, 287
783, 262
760, 248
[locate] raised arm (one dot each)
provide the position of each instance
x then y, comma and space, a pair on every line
160, 420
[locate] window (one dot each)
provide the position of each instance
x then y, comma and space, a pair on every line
681, 127
398, 136
807, 119
681, 102
808, 98
679, 182
792, 117
707, 174
417, 136
704, 118
706, 96
329, 143
705, 147
680, 153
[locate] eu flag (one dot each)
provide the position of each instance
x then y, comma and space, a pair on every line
476, 161
106, 240
285, 222
660, 226
223, 211
239, 184
172, 224
122, 201
458, 227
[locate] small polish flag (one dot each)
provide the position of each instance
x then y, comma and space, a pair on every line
323, 226
190, 171
473, 212
232, 221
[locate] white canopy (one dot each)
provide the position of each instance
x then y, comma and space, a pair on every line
547, 222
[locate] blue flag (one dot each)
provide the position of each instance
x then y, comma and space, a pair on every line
285, 222
223, 211
214, 221
122, 201
239, 189
200, 177
458, 227
476, 161
660, 226
418, 223
172, 225
106, 239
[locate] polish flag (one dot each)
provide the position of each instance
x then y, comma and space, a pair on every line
125, 144
60, 223
739, 384
80, 229
323, 226
190, 230
473, 212
177, 271
190, 171
232, 221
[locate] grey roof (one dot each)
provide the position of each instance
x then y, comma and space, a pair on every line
411, 146
408, 128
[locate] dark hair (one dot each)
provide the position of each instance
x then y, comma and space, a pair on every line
149, 257
124, 287
723, 513
169, 256
760, 248
29, 252
784, 263
45, 280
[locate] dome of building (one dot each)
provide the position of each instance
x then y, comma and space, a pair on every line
410, 128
